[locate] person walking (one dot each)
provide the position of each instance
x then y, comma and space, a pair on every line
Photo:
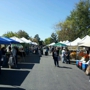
63, 55
55, 58
67, 55
14, 54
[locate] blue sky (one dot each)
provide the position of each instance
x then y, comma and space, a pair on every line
33, 16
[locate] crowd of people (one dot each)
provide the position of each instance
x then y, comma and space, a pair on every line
10, 54
62, 54
58, 53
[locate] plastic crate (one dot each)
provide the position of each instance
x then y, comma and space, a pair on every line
77, 62
84, 66
80, 65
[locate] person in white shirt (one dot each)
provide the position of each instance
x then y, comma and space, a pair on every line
14, 52
63, 55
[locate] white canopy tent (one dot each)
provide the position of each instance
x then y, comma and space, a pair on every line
64, 42
86, 44
25, 40
17, 39
34, 43
68, 44
51, 44
85, 37
74, 43
61, 41
85, 41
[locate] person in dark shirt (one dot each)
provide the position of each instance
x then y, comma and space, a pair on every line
57, 49
3, 50
55, 57
4, 62
67, 55
9, 48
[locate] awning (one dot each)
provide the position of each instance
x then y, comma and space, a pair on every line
3, 41
11, 40
59, 44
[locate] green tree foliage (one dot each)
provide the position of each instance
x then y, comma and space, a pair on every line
66, 31
9, 34
30, 38
83, 17
77, 24
54, 37
41, 43
48, 41
22, 33
35, 40
37, 37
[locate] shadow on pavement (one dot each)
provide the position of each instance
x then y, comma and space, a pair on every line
73, 63
9, 88
33, 58
28, 61
25, 66
65, 67
13, 77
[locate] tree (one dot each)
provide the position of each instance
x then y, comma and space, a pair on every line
22, 33
34, 40
77, 24
30, 38
54, 37
37, 37
41, 42
48, 40
67, 31
83, 17
9, 34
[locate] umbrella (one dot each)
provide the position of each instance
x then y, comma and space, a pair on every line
59, 44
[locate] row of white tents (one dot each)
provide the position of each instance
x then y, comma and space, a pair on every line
23, 40
77, 42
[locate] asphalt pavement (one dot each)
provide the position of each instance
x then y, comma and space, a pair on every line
36, 73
